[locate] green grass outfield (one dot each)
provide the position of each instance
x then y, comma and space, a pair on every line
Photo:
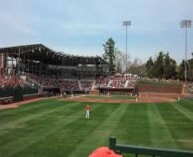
115, 96
54, 128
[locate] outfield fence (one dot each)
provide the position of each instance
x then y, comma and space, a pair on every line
160, 88
15, 94
147, 151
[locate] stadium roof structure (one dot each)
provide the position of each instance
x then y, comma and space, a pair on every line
39, 52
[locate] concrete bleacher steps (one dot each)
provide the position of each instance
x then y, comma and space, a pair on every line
93, 85
79, 85
109, 83
126, 83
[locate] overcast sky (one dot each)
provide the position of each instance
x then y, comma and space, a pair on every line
80, 27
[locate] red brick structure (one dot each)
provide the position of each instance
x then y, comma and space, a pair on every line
160, 88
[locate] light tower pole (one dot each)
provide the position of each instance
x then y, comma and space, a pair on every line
185, 24
126, 24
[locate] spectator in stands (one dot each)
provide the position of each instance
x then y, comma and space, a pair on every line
11, 82
104, 152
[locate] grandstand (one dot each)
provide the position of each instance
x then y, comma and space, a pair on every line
49, 71
38, 66
38, 70
38, 59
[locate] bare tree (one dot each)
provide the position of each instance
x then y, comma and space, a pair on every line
137, 67
120, 61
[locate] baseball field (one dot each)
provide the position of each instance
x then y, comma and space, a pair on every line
57, 128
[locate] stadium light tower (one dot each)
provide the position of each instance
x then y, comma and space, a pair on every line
126, 24
185, 24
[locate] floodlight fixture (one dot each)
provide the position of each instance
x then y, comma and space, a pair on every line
126, 23
186, 23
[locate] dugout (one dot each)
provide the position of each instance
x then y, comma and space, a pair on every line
51, 91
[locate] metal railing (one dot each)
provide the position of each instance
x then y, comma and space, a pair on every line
137, 150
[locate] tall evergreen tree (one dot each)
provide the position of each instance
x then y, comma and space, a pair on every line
190, 68
181, 70
109, 55
149, 68
169, 67
159, 66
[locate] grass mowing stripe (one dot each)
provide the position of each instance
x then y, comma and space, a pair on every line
24, 110
159, 131
27, 106
187, 103
123, 97
63, 142
183, 111
60, 133
184, 134
34, 123
132, 128
180, 126
100, 135
20, 121
19, 118
41, 133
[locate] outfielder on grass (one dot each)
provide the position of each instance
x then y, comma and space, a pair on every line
87, 111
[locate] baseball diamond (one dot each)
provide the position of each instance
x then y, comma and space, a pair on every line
44, 96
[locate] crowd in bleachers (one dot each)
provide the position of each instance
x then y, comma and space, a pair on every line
86, 84
117, 81
44, 81
102, 81
189, 86
48, 81
11, 82
69, 85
